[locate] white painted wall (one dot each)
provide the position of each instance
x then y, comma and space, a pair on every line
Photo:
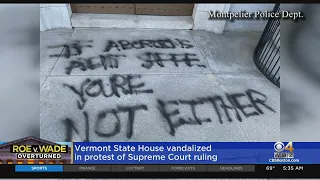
248, 25
201, 17
54, 16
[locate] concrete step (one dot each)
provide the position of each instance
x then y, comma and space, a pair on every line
81, 20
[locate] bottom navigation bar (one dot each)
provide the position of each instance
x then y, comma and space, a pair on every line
156, 171
135, 168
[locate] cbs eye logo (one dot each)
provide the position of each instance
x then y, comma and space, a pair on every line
279, 147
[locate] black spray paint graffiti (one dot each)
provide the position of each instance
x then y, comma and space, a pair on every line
105, 61
152, 58
73, 49
102, 116
111, 61
116, 84
256, 101
165, 43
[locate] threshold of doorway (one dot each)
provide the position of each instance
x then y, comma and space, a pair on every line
84, 20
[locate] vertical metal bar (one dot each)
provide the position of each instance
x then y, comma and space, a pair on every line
267, 28
269, 37
274, 47
274, 66
267, 52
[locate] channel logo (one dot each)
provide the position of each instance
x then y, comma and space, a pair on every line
278, 146
283, 151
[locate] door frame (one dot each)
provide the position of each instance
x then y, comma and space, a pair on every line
199, 16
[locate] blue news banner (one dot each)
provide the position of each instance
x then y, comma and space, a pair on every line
196, 153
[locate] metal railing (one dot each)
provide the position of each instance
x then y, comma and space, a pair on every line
267, 53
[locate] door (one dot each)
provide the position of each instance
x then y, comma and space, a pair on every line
164, 9
103, 8
138, 9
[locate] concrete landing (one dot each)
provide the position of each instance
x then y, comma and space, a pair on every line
229, 53
150, 85
83, 20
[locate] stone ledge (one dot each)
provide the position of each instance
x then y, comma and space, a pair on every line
81, 20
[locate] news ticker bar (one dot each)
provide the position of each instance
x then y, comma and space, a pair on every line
157, 171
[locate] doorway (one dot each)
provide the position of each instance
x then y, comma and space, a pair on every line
135, 9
